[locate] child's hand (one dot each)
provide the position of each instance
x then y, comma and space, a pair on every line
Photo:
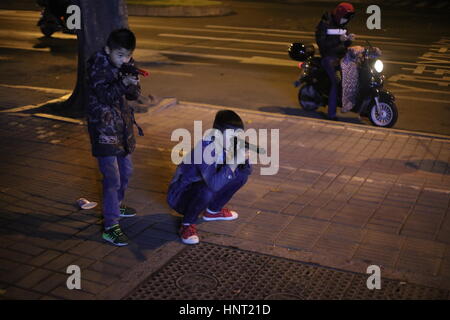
130, 80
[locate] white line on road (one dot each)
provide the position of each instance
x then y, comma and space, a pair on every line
33, 35
22, 46
29, 107
47, 90
249, 60
422, 99
187, 36
171, 45
416, 64
291, 31
59, 118
413, 89
203, 30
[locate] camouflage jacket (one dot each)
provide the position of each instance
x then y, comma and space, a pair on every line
110, 118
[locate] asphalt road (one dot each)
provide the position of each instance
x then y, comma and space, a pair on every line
241, 60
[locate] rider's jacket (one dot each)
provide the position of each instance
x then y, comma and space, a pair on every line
328, 33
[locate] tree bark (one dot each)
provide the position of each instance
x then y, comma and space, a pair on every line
98, 19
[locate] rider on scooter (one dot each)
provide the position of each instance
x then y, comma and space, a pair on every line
333, 41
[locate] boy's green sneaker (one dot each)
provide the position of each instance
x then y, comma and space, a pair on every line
126, 212
115, 236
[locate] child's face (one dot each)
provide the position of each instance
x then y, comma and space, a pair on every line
119, 56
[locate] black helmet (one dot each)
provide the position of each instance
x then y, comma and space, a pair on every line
300, 52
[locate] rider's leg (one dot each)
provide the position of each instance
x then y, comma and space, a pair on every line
329, 64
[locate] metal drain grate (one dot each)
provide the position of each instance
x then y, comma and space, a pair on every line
206, 271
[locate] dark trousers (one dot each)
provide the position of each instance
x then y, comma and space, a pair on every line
198, 197
116, 173
329, 63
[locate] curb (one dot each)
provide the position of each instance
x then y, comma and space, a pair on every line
323, 121
178, 11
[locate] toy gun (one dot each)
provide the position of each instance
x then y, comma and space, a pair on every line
129, 69
248, 146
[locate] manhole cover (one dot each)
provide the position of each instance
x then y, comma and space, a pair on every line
207, 271
282, 296
196, 282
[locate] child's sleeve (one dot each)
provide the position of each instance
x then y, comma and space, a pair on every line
245, 168
104, 84
215, 178
133, 92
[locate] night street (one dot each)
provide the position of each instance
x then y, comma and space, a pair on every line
349, 210
241, 60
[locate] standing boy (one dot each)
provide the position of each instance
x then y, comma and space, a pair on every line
110, 125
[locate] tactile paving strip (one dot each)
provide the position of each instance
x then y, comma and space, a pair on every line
211, 272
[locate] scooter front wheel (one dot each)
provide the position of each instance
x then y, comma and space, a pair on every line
308, 97
387, 114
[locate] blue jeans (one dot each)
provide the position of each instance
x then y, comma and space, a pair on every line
198, 197
116, 173
329, 63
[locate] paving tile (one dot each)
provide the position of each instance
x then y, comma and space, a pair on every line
50, 283
293, 209
421, 247
14, 275
353, 215
99, 277
61, 263
33, 278
44, 258
108, 269
15, 293
418, 263
74, 294
263, 228
301, 233
219, 227
15, 255
27, 248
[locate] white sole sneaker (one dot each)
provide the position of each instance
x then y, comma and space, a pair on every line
233, 217
191, 240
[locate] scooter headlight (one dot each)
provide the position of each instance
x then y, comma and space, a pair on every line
378, 65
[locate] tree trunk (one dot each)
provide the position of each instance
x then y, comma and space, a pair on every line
98, 19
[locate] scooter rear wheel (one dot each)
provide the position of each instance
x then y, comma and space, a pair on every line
48, 30
308, 97
388, 115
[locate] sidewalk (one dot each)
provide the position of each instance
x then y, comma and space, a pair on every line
346, 196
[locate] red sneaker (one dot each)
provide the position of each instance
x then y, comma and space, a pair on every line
224, 214
189, 234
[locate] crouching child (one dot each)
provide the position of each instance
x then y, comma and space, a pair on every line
206, 187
